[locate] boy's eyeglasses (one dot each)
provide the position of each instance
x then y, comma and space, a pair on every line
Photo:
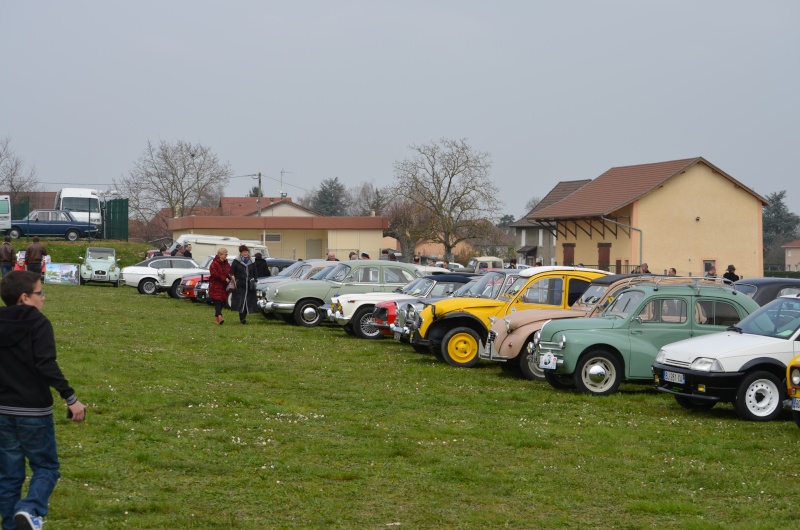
40, 293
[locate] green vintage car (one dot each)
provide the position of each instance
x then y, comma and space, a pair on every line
298, 302
100, 265
595, 355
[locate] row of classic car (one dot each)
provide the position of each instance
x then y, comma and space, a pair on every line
701, 340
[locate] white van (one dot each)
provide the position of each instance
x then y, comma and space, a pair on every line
205, 245
83, 204
5, 213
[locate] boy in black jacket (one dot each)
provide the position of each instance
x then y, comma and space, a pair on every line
28, 369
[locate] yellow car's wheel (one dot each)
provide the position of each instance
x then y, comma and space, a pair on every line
460, 347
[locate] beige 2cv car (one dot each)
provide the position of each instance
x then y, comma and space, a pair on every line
509, 336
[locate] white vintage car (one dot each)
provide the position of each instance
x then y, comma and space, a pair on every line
354, 311
745, 365
145, 275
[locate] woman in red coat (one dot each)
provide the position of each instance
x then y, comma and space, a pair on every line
220, 274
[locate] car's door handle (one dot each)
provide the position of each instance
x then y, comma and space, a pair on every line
636, 332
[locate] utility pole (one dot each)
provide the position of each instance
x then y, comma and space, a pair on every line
260, 193
283, 193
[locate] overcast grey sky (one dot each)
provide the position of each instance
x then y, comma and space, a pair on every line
552, 90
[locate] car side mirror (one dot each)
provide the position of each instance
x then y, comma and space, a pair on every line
638, 319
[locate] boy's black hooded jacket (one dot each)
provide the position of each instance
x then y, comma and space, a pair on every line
28, 366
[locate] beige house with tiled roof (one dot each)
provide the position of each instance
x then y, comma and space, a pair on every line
687, 214
270, 206
792, 255
536, 243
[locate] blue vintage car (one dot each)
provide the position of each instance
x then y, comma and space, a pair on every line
51, 223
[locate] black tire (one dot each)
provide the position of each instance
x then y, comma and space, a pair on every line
527, 364
348, 328
460, 347
598, 372
15, 233
72, 235
148, 286
759, 397
305, 306
694, 404
289, 319
363, 326
81, 280
559, 382
175, 291
115, 283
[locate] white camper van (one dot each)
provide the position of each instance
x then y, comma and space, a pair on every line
205, 245
5, 213
83, 203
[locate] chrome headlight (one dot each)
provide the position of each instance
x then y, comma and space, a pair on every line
411, 314
508, 324
88, 267
705, 364
795, 376
661, 357
536, 338
492, 320
562, 341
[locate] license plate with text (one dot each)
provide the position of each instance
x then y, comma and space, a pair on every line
672, 377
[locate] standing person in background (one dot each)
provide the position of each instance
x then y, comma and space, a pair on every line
730, 274
512, 264
34, 256
178, 250
262, 269
712, 272
364, 255
644, 269
672, 272
187, 250
6, 255
27, 430
353, 254
244, 296
219, 275
332, 256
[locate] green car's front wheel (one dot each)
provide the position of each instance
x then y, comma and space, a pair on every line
599, 373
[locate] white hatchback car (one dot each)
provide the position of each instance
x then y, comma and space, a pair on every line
745, 365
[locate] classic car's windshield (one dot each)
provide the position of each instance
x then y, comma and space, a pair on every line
323, 273
466, 289
491, 285
516, 286
746, 289
417, 287
624, 304
339, 272
100, 253
779, 318
592, 295
290, 270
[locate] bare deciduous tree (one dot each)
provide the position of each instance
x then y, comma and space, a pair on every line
366, 198
14, 177
451, 182
178, 176
408, 224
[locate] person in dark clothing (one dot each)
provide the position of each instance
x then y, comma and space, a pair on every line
219, 275
178, 250
187, 250
27, 431
730, 274
34, 256
244, 296
262, 269
6, 255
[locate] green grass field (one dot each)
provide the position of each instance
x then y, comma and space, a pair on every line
193, 425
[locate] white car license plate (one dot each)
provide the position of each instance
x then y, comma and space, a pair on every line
672, 377
795, 403
548, 361
396, 335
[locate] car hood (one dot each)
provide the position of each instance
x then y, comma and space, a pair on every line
376, 297
725, 345
458, 305
554, 327
521, 318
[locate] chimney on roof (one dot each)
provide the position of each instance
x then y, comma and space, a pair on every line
372, 213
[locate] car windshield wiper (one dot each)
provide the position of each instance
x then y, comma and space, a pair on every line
735, 328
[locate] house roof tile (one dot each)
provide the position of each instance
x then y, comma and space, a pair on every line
621, 186
562, 190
